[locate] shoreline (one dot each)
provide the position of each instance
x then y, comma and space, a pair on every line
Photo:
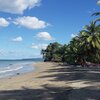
51, 80
40, 69
16, 69
21, 77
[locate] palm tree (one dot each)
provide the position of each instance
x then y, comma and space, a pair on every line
51, 53
92, 34
90, 37
96, 14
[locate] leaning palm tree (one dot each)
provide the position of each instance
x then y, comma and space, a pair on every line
96, 14
73, 53
92, 34
90, 37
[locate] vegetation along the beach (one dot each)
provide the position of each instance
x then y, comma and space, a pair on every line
83, 49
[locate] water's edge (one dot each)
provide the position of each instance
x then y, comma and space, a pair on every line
12, 69
17, 69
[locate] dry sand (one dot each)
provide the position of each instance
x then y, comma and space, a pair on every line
51, 81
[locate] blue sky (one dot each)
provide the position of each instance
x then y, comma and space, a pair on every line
27, 26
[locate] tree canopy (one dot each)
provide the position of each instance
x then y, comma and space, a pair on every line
85, 47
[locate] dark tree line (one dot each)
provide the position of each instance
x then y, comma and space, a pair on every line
83, 48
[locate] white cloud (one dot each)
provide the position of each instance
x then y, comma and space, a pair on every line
43, 46
44, 36
39, 46
98, 2
18, 39
3, 22
34, 46
73, 35
30, 22
17, 6
91, 11
1, 51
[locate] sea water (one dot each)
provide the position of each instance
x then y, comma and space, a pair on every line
10, 68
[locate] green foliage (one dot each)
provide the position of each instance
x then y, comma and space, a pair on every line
83, 48
52, 52
96, 14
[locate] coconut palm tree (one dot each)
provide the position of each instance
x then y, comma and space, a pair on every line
91, 34
96, 14
90, 37
51, 53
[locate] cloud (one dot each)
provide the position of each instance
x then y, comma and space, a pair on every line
1, 51
3, 22
17, 6
44, 36
91, 11
34, 46
18, 39
39, 46
30, 22
73, 35
98, 2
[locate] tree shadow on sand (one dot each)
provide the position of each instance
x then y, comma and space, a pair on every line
46, 93
51, 92
87, 93
71, 73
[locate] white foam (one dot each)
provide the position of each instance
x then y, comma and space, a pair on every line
9, 69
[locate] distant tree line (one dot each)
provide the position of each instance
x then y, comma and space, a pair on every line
83, 48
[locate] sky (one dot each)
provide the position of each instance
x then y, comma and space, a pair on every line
27, 26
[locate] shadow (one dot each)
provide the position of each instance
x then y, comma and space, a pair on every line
71, 73
51, 93
88, 93
55, 92
46, 93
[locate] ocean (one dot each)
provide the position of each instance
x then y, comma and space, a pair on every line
9, 68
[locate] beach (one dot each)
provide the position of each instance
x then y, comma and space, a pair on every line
30, 80
52, 81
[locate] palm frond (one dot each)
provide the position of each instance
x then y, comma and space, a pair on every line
96, 14
98, 19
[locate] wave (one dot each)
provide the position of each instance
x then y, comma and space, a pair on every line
13, 69
10, 69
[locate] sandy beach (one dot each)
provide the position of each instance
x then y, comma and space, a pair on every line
52, 81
